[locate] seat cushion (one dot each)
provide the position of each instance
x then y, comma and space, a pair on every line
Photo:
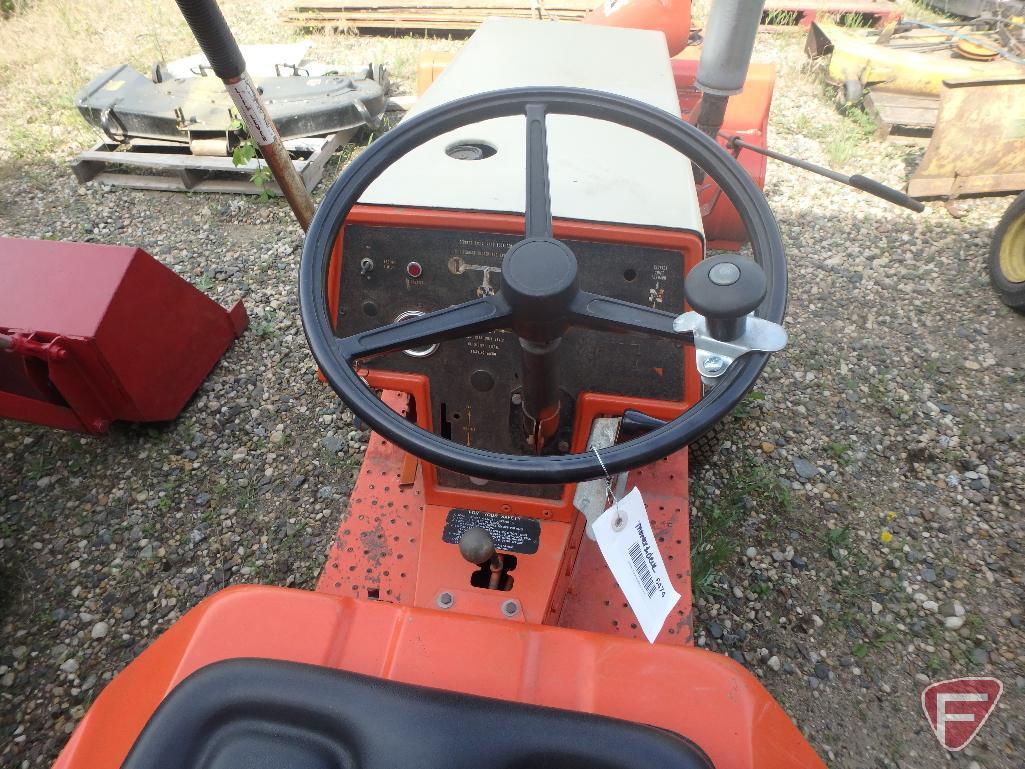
269, 714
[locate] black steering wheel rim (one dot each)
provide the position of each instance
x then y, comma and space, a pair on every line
720, 166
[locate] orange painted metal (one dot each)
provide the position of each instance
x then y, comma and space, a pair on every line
670, 17
701, 695
570, 643
442, 569
389, 544
594, 601
374, 553
747, 115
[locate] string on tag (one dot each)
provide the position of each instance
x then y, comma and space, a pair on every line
619, 523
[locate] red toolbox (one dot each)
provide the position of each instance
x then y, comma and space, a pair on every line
90, 334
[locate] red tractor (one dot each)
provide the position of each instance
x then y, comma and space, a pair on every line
513, 289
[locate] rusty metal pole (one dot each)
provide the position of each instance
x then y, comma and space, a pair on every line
211, 31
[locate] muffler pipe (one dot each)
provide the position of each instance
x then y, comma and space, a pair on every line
211, 31
725, 57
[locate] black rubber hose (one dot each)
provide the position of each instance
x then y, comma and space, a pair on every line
211, 31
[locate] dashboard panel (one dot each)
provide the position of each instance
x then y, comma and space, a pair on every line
389, 272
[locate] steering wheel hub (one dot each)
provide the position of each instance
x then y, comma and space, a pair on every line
539, 281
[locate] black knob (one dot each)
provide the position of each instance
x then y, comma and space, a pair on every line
476, 545
539, 280
724, 289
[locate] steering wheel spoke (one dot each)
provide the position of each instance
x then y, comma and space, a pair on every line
538, 210
457, 322
605, 314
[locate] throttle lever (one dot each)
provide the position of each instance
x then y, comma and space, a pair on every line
857, 181
724, 292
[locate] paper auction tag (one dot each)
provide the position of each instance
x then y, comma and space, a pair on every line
624, 536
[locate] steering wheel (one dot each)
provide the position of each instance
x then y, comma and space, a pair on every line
539, 296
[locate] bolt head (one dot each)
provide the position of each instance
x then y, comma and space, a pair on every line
713, 365
445, 600
510, 608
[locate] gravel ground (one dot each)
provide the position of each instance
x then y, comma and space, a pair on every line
863, 526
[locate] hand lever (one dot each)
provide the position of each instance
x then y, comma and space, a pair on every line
476, 545
724, 292
857, 181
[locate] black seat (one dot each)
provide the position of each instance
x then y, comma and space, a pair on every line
268, 714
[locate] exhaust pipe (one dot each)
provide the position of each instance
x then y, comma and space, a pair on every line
725, 57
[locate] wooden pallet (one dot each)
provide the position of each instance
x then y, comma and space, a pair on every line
155, 165
902, 116
424, 15
452, 16
877, 13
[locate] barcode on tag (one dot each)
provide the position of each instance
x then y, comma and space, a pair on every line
641, 567
629, 547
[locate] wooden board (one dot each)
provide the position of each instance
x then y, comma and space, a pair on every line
901, 114
442, 15
139, 167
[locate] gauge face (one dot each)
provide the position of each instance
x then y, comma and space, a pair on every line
418, 352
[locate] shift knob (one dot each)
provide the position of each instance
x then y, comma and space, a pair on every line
724, 289
476, 545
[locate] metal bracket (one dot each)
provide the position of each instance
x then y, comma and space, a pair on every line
591, 497
714, 356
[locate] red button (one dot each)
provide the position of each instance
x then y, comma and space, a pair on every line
414, 270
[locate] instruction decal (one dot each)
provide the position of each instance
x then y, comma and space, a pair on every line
511, 533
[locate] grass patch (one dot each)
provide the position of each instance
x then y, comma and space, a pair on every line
743, 409
837, 543
266, 325
843, 141
837, 450
714, 540
780, 18
51, 48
